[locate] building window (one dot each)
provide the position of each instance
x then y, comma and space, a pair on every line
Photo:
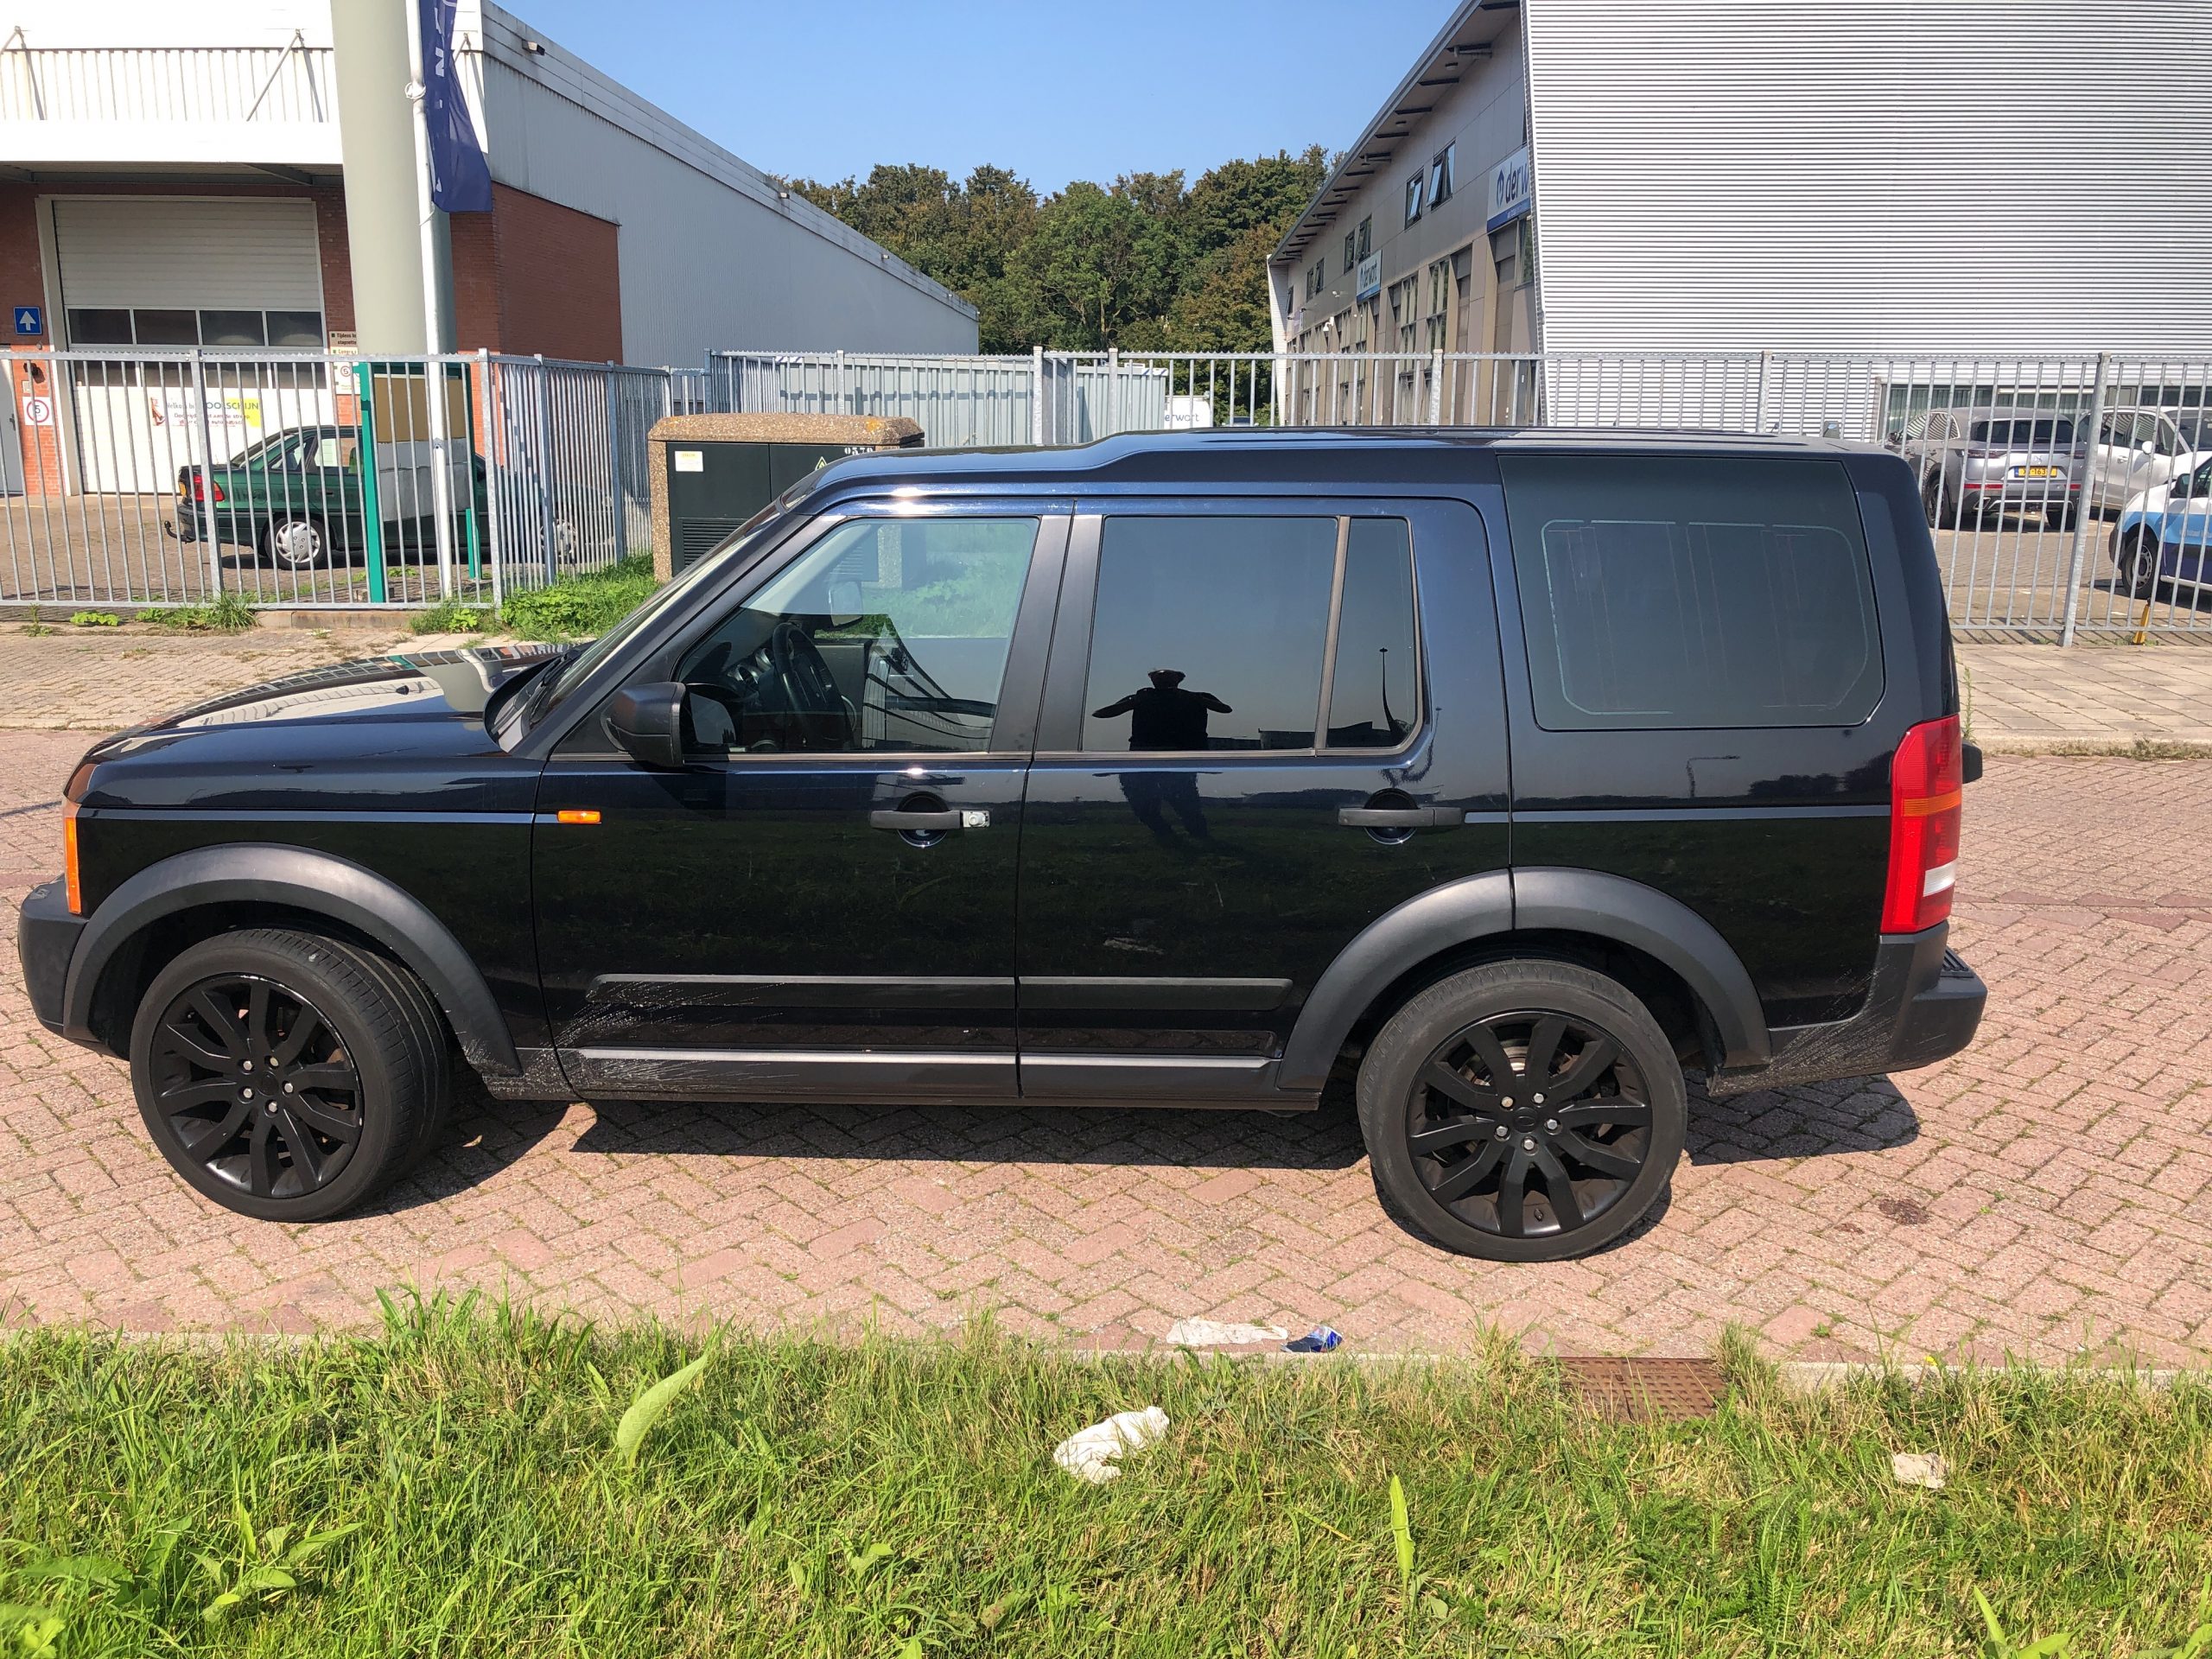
1412, 198
1440, 176
1366, 236
1439, 319
1352, 246
221, 330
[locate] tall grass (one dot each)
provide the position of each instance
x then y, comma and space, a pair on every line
488, 1482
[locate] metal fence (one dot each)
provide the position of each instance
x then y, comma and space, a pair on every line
325, 488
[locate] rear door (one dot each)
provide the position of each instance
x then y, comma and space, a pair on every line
1245, 757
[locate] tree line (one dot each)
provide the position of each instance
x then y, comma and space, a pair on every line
1145, 263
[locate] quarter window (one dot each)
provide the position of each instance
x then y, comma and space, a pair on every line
1440, 176
1687, 592
1211, 633
888, 635
1412, 198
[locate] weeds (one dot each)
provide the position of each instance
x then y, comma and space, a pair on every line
453, 616
226, 614
95, 619
580, 606
480, 1480
37, 630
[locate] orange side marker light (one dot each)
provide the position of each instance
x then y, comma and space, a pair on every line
578, 815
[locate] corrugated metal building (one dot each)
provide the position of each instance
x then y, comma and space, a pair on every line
171, 175
1749, 176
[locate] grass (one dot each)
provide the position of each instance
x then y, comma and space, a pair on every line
228, 614
487, 1482
578, 607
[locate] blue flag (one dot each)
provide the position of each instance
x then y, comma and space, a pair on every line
461, 181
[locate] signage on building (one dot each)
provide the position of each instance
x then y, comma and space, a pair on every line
30, 324
1371, 277
1511, 196
345, 342
38, 412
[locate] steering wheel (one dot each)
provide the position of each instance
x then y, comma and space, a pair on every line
810, 689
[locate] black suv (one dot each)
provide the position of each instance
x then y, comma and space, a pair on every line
1506, 774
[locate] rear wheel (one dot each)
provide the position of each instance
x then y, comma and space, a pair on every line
1523, 1111
296, 545
1943, 511
2059, 517
286, 1076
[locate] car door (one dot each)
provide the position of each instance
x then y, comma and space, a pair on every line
820, 902
1243, 760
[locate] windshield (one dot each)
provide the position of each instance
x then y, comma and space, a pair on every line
703, 572
2195, 431
2023, 433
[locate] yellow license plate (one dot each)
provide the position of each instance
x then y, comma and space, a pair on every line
2038, 472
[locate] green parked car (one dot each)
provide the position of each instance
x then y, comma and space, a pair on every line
300, 499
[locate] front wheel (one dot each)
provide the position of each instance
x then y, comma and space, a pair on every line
286, 1076
2139, 565
1523, 1111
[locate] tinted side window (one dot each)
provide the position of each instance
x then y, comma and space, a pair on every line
1375, 687
1692, 592
888, 635
1208, 632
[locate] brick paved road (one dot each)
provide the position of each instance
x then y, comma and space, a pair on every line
2048, 1191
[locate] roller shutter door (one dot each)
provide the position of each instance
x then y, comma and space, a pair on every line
175, 253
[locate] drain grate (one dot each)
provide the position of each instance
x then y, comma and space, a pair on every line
1647, 1390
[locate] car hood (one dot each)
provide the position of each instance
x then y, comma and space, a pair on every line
373, 727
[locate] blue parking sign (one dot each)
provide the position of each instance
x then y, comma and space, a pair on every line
28, 323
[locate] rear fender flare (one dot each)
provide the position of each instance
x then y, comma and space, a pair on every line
319, 883
1539, 900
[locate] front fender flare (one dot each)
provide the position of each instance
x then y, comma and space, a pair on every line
317, 883
1495, 904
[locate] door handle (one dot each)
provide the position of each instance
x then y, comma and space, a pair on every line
1399, 817
909, 822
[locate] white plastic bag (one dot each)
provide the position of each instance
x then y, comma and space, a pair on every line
1088, 1455
1928, 1469
1212, 1333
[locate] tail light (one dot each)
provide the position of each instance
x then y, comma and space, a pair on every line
1926, 779
200, 489
72, 885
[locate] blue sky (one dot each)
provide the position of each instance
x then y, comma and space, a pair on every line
1055, 90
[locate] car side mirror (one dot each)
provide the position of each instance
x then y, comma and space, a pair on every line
647, 720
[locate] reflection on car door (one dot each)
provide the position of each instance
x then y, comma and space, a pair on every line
1228, 681
821, 904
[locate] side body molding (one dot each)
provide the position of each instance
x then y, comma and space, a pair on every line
312, 881
1614, 907
1529, 900
1469, 908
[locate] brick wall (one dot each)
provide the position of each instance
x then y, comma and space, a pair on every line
558, 277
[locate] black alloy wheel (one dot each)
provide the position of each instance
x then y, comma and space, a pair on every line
288, 1076
1523, 1111
1528, 1124
257, 1086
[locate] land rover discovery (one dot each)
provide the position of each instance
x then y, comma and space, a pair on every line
1500, 776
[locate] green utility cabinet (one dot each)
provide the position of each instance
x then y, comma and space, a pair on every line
711, 472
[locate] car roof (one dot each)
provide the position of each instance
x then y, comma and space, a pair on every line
1277, 454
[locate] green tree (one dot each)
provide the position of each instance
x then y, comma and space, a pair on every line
1099, 263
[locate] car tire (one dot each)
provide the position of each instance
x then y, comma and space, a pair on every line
1943, 511
2059, 517
2139, 565
272, 1119
1457, 1164
296, 544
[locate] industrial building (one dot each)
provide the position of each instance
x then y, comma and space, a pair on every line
1898, 177
176, 173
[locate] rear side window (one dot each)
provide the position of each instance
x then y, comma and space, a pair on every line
1213, 632
1685, 592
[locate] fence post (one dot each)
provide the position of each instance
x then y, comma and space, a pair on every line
1758, 419
615, 461
207, 473
1113, 391
843, 394
2081, 547
1436, 388
494, 483
1037, 396
544, 468
433, 392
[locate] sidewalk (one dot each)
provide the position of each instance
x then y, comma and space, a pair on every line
2041, 700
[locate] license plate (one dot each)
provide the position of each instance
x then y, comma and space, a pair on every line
2035, 472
